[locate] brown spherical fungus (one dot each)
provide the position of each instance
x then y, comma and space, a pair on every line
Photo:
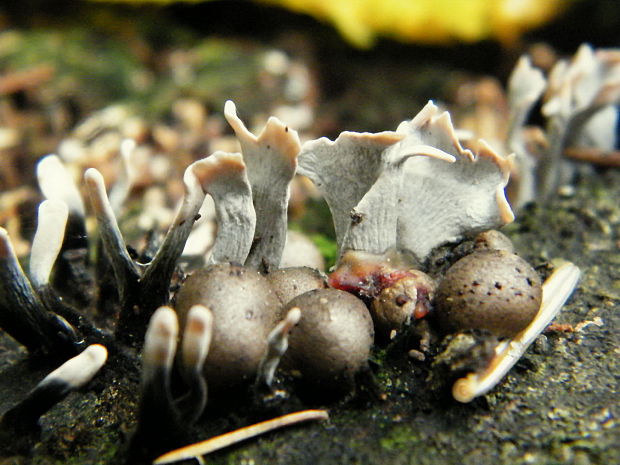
245, 309
332, 340
490, 289
289, 283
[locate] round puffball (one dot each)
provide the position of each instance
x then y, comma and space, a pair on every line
493, 290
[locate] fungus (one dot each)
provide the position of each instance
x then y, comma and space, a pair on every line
395, 196
489, 289
245, 310
576, 92
20, 425
332, 341
578, 104
163, 420
271, 158
288, 283
555, 291
525, 86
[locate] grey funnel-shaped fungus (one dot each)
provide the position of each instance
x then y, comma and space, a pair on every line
413, 189
271, 160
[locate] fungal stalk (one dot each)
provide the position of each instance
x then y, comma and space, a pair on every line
19, 426
47, 242
277, 345
556, 290
525, 86
224, 177
22, 313
196, 342
57, 183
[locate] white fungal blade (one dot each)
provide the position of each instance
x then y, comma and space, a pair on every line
556, 290
111, 235
79, 370
56, 183
162, 266
195, 451
600, 130
590, 82
277, 345
525, 85
48, 239
443, 202
160, 343
271, 160
344, 170
374, 228
197, 338
126, 178
223, 176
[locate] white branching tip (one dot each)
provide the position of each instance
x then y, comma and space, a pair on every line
197, 338
160, 343
277, 345
56, 183
525, 85
162, 267
223, 176
126, 178
71, 375
47, 240
79, 370
271, 160
111, 236
196, 451
556, 290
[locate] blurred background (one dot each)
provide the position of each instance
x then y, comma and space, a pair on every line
78, 76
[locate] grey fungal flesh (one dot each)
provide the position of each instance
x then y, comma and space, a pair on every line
245, 309
493, 290
332, 340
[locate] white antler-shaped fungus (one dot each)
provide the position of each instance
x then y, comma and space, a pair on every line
271, 160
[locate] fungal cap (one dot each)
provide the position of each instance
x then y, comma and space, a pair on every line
556, 290
275, 135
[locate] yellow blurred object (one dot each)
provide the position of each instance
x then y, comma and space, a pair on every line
424, 21
428, 21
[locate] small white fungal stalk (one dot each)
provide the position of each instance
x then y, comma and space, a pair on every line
579, 105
